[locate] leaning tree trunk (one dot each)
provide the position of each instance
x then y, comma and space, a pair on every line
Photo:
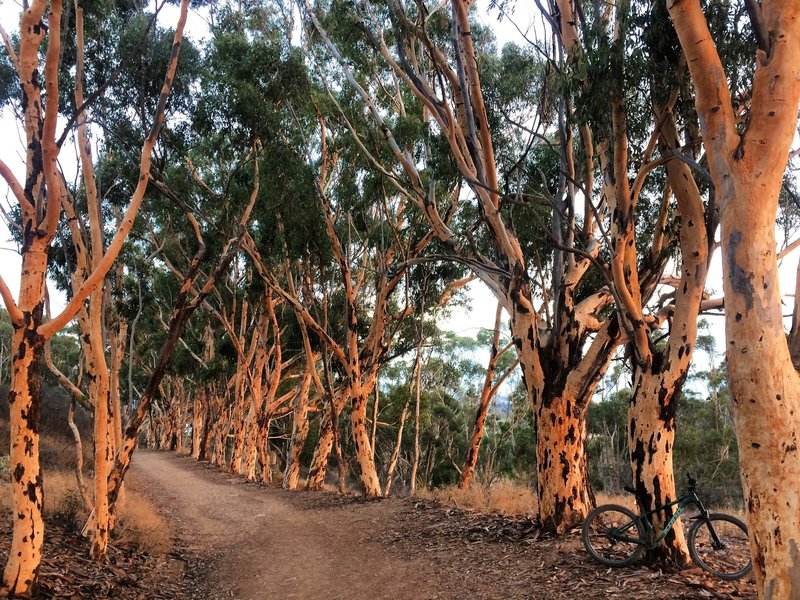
387, 489
24, 402
299, 426
483, 405
322, 452
299, 434
263, 447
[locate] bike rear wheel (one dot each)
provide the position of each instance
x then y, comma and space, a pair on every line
728, 555
613, 535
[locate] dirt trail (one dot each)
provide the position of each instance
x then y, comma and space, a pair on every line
246, 541
262, 547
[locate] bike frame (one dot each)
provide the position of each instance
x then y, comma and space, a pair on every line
690, 499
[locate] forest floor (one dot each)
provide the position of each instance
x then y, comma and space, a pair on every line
247, 541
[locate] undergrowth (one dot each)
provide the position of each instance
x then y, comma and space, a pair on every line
504, 496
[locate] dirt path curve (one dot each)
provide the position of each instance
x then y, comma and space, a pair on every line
263, 547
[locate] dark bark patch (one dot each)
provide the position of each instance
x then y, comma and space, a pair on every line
570, 438
741, 280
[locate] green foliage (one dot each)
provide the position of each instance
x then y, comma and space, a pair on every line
451, 382
6, 331
8, 80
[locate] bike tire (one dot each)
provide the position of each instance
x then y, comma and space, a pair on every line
729, 562
604, 532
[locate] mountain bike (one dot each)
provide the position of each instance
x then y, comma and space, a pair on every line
617, 537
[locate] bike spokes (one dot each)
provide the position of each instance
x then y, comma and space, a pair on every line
720, 546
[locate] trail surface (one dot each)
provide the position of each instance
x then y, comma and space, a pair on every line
263, 547
246, 541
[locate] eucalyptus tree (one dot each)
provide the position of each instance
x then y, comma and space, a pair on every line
622, 44
184, 230
40, 204
519, 207
748, 152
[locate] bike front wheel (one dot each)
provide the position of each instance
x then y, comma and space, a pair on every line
612, 534
719, 545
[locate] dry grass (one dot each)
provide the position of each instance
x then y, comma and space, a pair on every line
504, 496
141, 526
61, 492
626, 500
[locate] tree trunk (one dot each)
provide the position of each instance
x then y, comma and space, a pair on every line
651, 438
220, 438
417, 394
263, 447
117, 341
564, 493
657, 387
179, 399
319, 463
240, 427
206, 431
483, 406
565, 496
253, 447
358, 418
764, 385
100, 392
24, 401
198, 413
88, 504
375, 409
748, 170
341, 467
299, 427
396, 451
